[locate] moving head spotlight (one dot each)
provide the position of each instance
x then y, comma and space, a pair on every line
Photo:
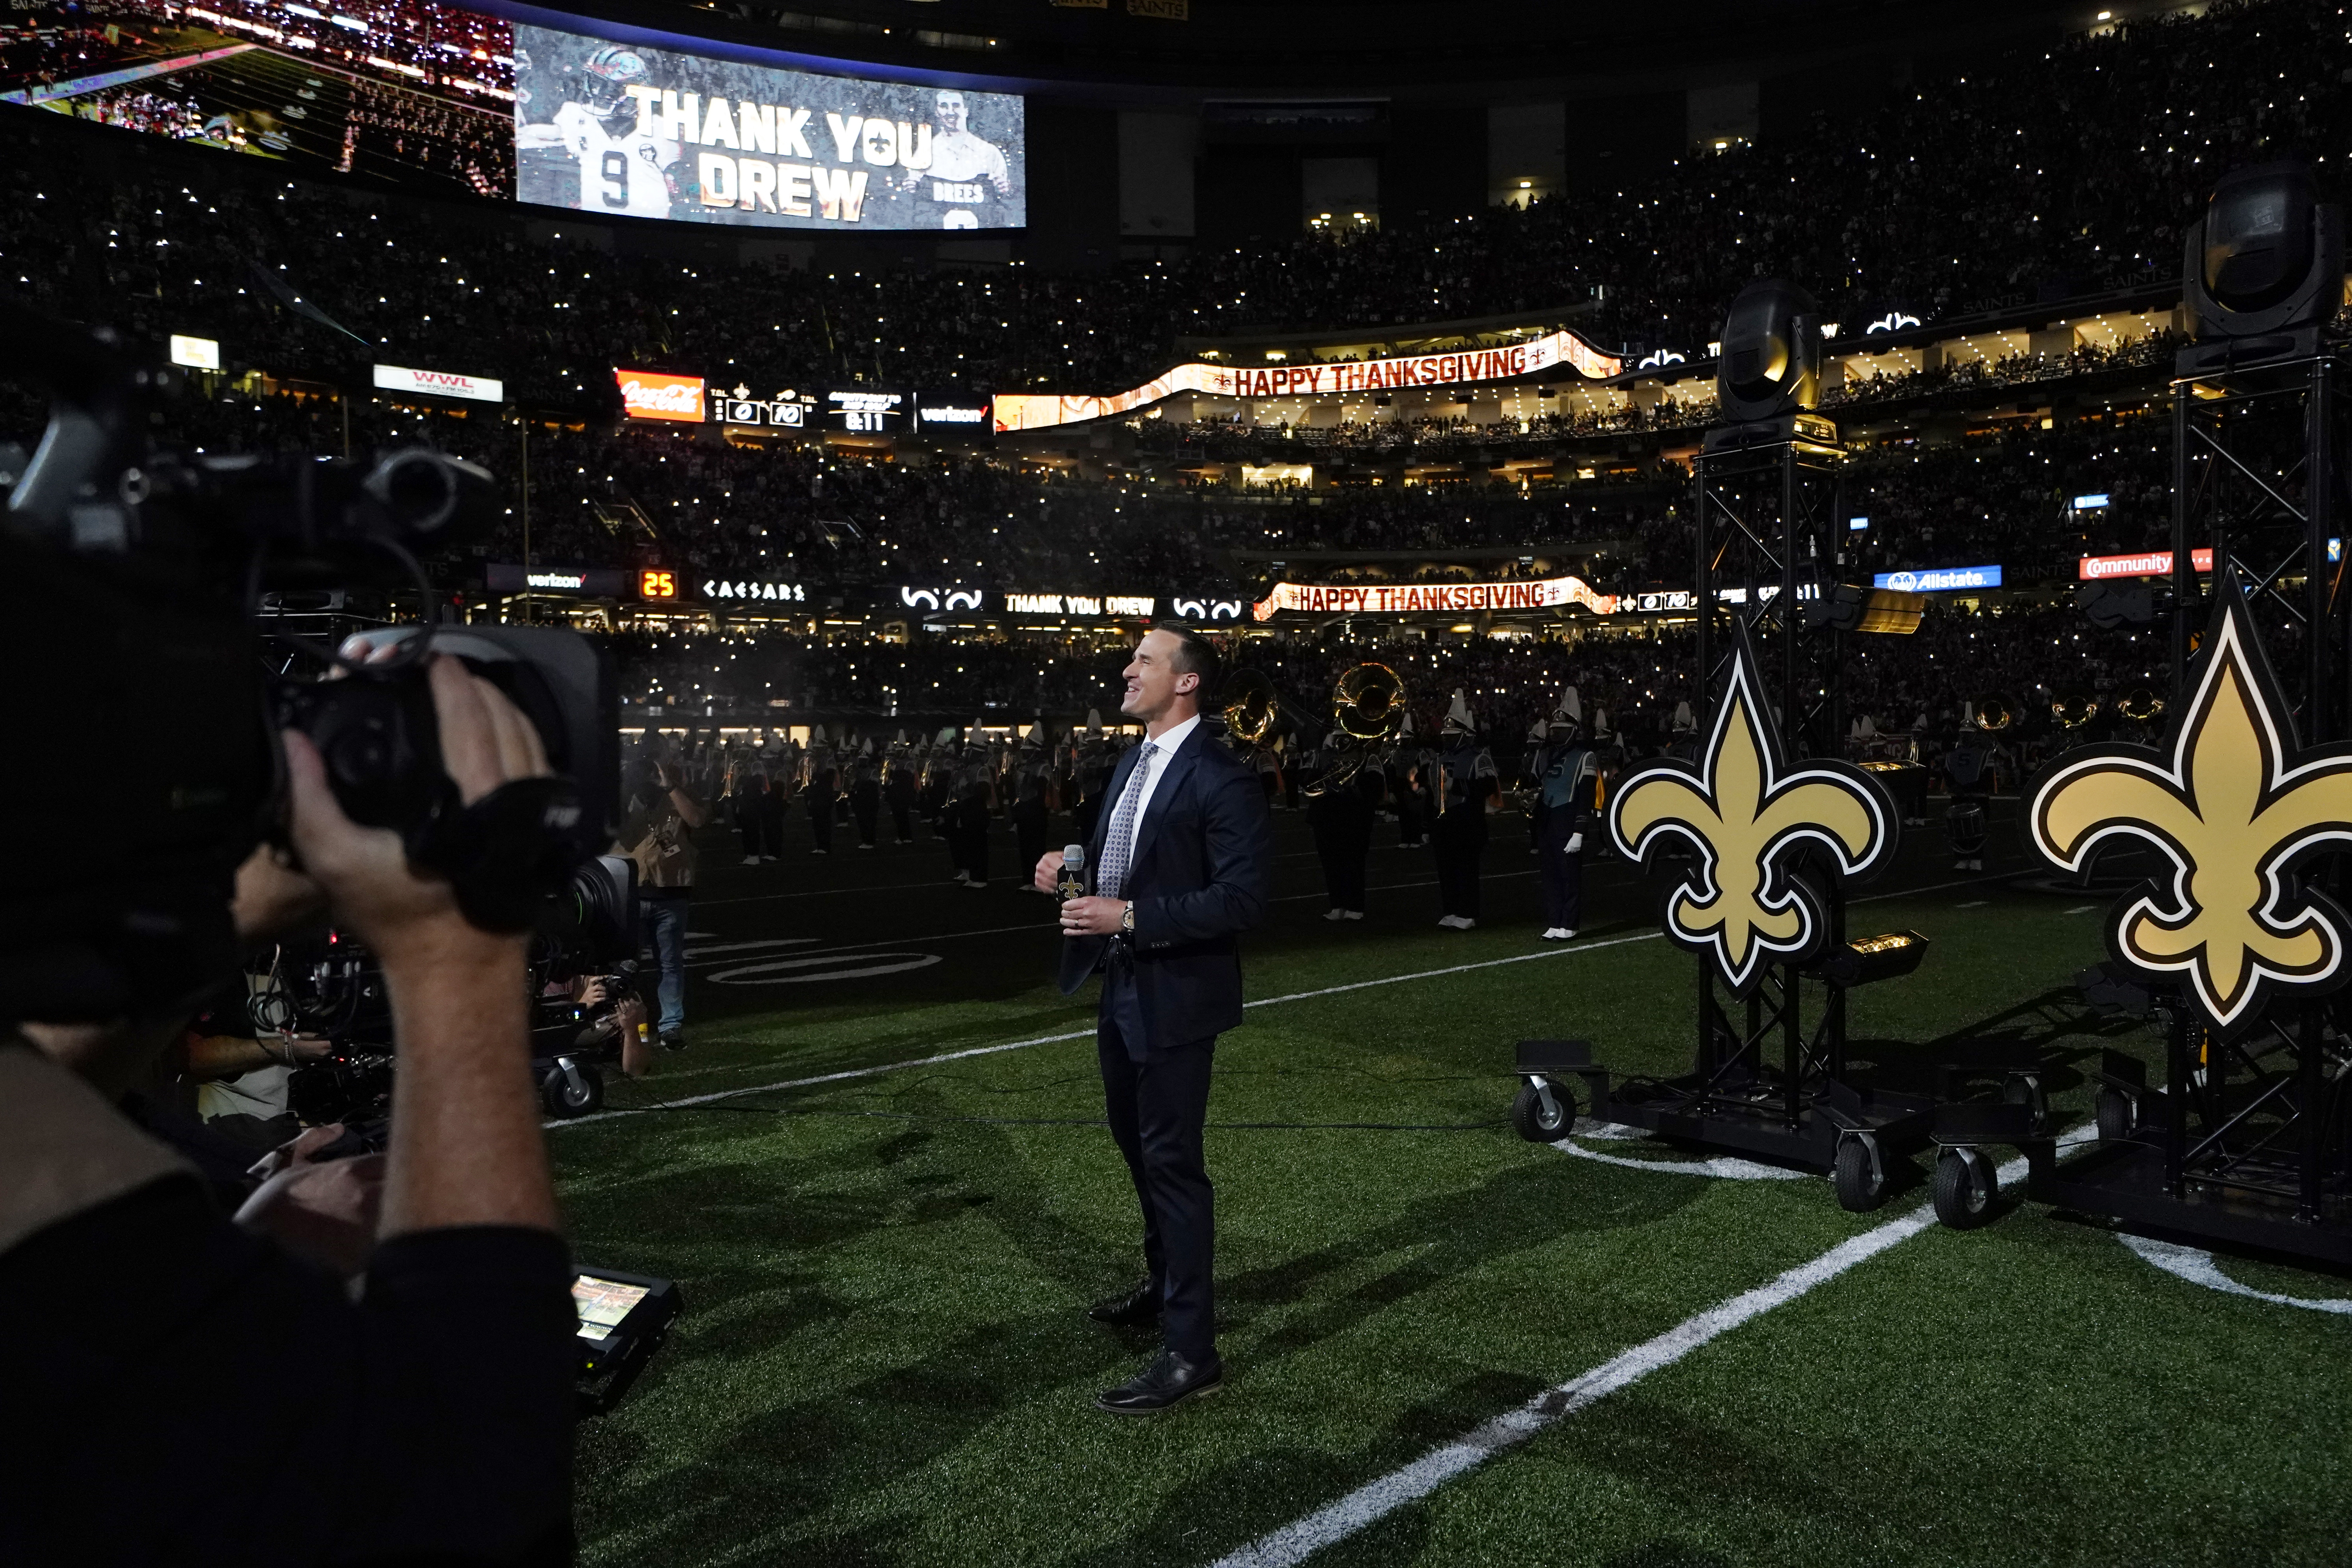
2263, 269
1771, 361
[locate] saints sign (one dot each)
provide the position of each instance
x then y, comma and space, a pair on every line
1750, 814
2231, 802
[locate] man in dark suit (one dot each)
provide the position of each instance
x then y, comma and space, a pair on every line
1180, 858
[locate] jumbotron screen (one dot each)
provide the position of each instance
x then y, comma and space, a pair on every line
406, 89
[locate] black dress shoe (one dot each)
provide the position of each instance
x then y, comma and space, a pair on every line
1135, 1307
1169, 1381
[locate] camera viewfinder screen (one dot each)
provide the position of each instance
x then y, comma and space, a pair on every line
603, 1304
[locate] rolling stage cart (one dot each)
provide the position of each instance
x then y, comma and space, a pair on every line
1804, 1110
2242, 1136
1774, 825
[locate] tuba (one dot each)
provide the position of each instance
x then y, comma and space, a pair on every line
1252, 708
1368, 708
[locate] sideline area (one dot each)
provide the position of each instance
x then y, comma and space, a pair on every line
886, 1233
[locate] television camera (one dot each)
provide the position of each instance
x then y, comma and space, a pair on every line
139, 576
155, 669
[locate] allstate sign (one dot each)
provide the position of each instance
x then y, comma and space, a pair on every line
1939, 580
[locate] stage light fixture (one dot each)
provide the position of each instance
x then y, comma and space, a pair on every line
1770, 360
1846, 607
1889, 956
2264, 262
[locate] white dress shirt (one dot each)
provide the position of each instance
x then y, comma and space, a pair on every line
1165, 749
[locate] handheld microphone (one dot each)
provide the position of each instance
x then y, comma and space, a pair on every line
1073, 883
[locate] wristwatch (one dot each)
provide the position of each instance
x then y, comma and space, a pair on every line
1127, 920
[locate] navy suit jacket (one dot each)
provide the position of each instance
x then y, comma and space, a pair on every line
1204, 857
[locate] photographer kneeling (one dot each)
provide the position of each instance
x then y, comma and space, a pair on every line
184, 1391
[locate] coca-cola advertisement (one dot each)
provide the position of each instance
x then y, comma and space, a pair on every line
652, 395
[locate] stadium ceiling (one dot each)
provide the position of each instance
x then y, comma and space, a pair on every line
1373, 47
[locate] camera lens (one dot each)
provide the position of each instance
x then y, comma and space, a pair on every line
416, 488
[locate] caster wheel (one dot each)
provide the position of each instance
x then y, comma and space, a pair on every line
557, 1093
1859, 1185
1532, 1122
1965, 1189
2112, 1109
2027, 1091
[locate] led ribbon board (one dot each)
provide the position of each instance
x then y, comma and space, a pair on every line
1440, 598
1749, 813
2231, 801
1037, 411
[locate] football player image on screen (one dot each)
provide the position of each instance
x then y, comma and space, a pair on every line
623, 167
963, 170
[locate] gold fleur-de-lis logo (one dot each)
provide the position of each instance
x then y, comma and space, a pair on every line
1748, 811
2231, 801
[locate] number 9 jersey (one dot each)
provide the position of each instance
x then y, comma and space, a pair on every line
617, 174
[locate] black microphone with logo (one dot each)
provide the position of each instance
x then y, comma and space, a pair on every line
1072, 882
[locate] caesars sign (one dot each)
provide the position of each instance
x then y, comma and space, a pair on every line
648, 132
1444, 598
1033, 411
650, 395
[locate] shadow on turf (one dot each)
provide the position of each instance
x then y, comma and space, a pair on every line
2029, 1036
649, 1473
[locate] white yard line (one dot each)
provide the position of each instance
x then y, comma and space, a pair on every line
701, 956
1334, 1523
879, 887
1085, 1032
1082, 1034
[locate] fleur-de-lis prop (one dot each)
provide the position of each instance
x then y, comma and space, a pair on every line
2231, 802
1749, 812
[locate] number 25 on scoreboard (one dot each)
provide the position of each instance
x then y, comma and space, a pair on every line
657, 585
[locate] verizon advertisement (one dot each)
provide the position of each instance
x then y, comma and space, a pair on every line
651, 394
1037, 411
1447, 598
647, 132
439, 383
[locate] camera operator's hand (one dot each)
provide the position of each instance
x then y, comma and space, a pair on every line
272, 895
327, 1211
466, 1145
486, 742
637, 1047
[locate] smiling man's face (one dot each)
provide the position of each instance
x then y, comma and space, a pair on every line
1153, 682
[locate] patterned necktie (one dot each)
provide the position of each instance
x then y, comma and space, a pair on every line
1120, 842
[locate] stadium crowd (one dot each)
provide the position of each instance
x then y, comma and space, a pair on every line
1929, 684
2054, 173
659, 497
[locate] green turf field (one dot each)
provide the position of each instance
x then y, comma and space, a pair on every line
885, 1356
